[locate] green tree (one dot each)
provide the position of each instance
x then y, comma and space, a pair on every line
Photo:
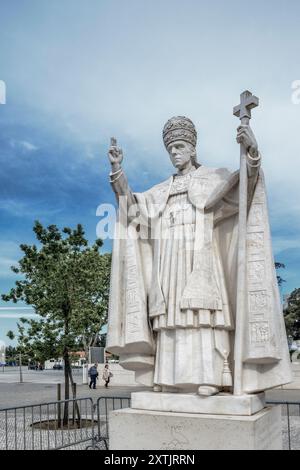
11, 354
292, 314
67, 283
38, 340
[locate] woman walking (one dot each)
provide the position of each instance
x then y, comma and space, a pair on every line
106, 375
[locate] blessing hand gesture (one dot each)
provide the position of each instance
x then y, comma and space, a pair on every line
115, 154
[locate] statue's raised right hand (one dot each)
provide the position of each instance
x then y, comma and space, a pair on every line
115, 154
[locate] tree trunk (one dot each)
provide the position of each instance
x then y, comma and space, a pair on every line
95, 339
86, 351
74, 398
66, 309
67, 385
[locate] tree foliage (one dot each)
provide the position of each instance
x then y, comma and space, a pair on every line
292, 314
280, 280
11, 353
38, 340
67, 283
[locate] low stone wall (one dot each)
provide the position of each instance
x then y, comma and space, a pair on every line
296, 378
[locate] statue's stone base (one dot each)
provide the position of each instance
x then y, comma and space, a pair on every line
222, 404
132, 429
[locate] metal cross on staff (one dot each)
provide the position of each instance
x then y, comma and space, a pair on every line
243, 112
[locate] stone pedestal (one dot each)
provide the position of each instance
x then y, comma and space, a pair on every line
221, 404
133, 429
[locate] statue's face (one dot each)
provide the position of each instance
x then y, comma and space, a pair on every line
180, 153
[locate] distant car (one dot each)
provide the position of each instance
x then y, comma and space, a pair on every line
57, 367
32, 367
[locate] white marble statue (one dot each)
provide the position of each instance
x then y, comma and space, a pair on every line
174, 283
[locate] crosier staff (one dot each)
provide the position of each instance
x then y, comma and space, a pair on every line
243, 112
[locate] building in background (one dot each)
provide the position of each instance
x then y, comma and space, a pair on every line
96, 354
77, 360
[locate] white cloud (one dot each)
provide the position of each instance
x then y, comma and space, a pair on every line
18, 208
14, 207
282, 243
17, 312
5, 267
16, 316
28, 146
2, 92
24, 145
9, 254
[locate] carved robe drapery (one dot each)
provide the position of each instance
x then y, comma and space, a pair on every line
172, 298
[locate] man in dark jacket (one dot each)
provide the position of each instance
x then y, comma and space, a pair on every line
93, 374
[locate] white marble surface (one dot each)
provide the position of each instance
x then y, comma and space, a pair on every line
146, 430
182, 281
192, 403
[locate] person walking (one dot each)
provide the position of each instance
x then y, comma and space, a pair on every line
106, 375
93, 374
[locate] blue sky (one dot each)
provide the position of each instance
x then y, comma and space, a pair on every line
78, 72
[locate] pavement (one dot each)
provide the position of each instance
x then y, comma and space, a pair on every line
12, 375
41, 387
